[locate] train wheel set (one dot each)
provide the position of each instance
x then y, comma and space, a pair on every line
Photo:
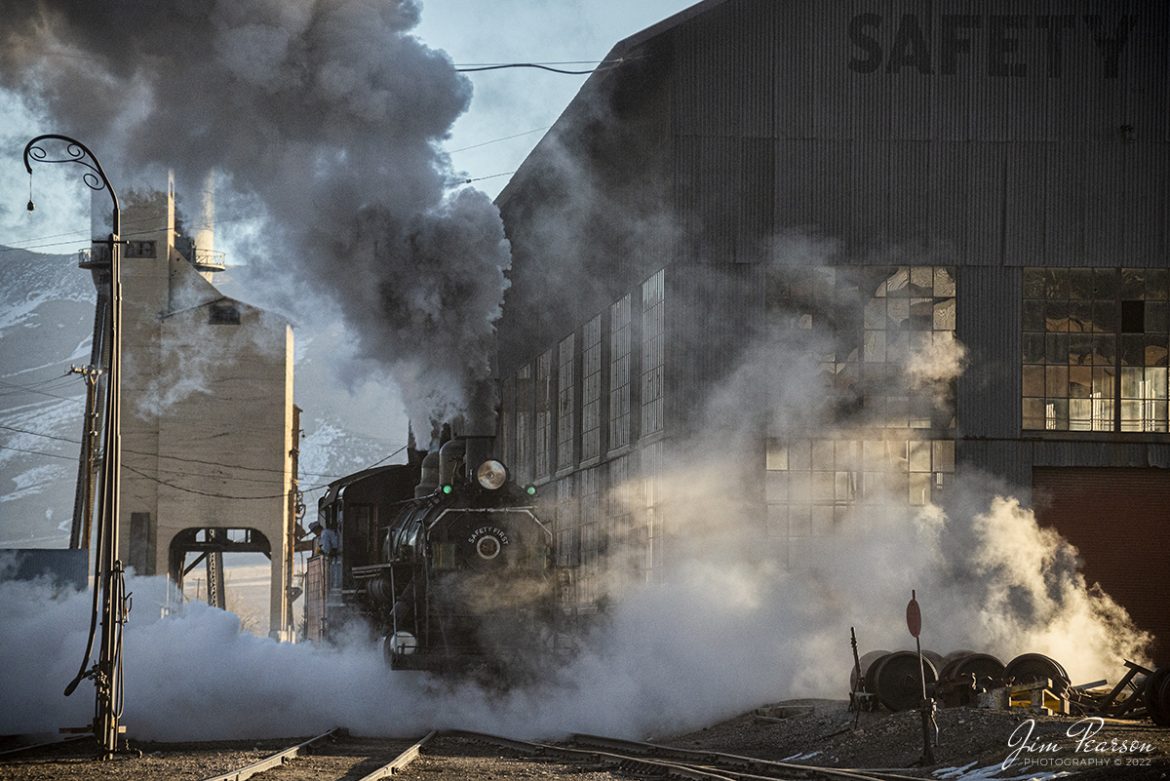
893, 680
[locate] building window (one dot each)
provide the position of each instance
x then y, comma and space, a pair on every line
566, 408
653, 352
592, 551
619, 373
523, 463
223, 314
1095, 345
591, 390
813, 485
544, 414
864, 328
141, 249
568, 528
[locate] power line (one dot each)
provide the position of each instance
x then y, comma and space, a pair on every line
497, 140
601, 66
37, 452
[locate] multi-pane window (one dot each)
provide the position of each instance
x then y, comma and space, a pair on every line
523, 463
653, 466
591, 389
1095, 344
813, 485
865, 329
653, 352
876, 336
589, 481
566, 409
544, 414
620, 366
910, 312
568, 529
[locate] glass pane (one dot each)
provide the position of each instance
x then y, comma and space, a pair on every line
1080, 415
1034, 284
1105, 282
1157, 321
1080, 284
1056, 349
1056, 414
1133, 350
1033, 315
1080, 316
1034, 381
777, 455
1105, 316
822, 455
919, 456
919, 489
1056, 316
1056, 382
1104, 350
1157, 283
944, 282
1056, 283
1080, 381
944, 317
1033, 348
943, 458
1133, 283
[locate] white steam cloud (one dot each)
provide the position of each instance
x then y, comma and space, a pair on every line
735, 622
323, 118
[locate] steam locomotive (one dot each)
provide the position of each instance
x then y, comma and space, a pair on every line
444, 559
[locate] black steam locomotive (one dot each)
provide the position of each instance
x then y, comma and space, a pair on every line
443, 558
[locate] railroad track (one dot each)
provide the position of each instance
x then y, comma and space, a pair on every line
651, 758
334, 755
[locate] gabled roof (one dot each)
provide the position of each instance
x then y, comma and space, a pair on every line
619, 50
667, 24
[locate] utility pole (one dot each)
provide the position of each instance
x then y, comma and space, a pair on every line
107, 672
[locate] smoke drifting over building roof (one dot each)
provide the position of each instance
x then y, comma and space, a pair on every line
324, 118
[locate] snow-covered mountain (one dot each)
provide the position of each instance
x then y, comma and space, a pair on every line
46, 325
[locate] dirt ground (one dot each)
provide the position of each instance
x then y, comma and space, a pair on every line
973, 745
822, 732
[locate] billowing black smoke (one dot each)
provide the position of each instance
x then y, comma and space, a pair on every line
325, 117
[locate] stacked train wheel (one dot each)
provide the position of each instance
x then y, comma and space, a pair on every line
896, 679
1158, 697
1035, 668
965, 674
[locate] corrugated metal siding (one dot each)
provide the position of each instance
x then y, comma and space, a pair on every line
1119, 519
1048, 179
988, 323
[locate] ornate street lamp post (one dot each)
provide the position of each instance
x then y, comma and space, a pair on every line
107, 672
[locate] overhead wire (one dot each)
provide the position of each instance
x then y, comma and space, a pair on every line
193, 460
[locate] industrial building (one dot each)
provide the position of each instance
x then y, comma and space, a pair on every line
210, 432
894, 175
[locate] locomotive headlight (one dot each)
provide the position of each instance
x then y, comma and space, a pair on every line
491, 475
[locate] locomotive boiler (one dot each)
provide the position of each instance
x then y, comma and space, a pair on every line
453, 570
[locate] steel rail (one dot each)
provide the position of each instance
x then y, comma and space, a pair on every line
622, 761
274, 760
721, 759
395, 765
401, 761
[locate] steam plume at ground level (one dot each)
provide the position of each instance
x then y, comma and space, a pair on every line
720, 636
